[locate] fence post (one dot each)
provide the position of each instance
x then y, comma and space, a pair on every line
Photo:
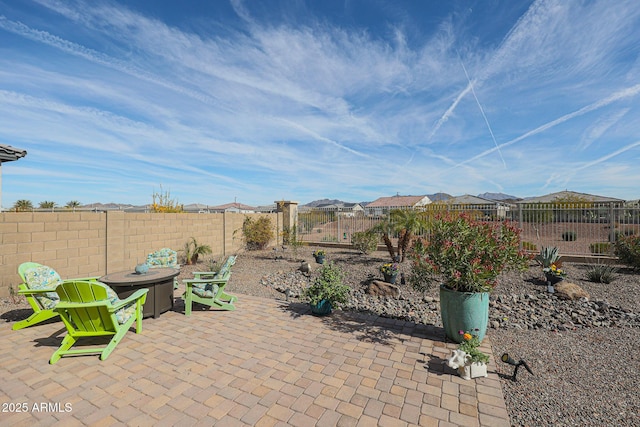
612, 225
289, 211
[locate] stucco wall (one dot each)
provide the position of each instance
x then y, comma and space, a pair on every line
80, 244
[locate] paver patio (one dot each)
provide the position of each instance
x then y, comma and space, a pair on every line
266, 364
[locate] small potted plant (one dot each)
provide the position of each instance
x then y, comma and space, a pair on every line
468, 359
465, 255
554, 274
319, 256
326, 290
390, 271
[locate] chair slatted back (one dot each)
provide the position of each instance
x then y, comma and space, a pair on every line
86, 306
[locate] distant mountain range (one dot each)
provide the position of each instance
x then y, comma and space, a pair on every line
498, 196
436, 197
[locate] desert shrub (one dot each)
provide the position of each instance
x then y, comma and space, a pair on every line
365, 241
622, 233
528, 246
600, 247
569, 236
257, 233
627, 249
214, 264
163, 203
601, 273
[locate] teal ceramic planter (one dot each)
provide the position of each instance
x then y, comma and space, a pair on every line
323, 308
464, 311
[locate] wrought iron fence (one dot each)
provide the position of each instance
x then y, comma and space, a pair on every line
577, 229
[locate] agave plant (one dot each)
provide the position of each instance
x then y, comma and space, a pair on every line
548, 256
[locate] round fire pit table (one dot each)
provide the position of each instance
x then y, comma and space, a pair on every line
159, 281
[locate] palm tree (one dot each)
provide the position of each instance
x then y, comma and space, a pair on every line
23, 205
407, 222
47, 205
192, 251
384, 228
73, 204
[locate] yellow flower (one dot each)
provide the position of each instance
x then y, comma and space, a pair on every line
553, 267
467, 336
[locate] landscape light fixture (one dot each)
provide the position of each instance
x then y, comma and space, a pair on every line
507, 359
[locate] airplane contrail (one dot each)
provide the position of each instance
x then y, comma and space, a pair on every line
482, 111
616, 96
450, 110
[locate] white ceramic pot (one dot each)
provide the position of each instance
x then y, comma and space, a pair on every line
474, 370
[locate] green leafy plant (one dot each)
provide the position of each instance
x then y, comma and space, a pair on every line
548, 255
291, 237
600, 248
390, 268
466, 254
627, 249
365, 241
601, 273
192, 251
327, 286
528, 246
569, 236
470, 344
257, 233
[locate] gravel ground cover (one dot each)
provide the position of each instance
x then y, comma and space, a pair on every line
584, 354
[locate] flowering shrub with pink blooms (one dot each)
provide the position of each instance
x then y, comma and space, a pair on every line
466, 254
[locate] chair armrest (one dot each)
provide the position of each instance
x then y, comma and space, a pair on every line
199, 274
205, 281
36, 291
83, 279
132, 298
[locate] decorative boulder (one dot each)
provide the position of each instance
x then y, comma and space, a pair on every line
378, 288
570, 291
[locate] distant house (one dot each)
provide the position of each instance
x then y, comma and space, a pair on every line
232, 207
487, 206
343, 209
8, 154
384, 205
580, 206
267, 208
566, 195
197, 208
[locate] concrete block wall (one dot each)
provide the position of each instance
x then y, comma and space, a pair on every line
82, 244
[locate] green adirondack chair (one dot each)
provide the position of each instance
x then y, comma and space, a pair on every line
38, 286
92, 309
207, 288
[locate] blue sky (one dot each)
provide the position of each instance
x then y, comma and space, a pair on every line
300, 100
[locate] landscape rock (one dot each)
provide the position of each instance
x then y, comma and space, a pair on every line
379, 288
570, 291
